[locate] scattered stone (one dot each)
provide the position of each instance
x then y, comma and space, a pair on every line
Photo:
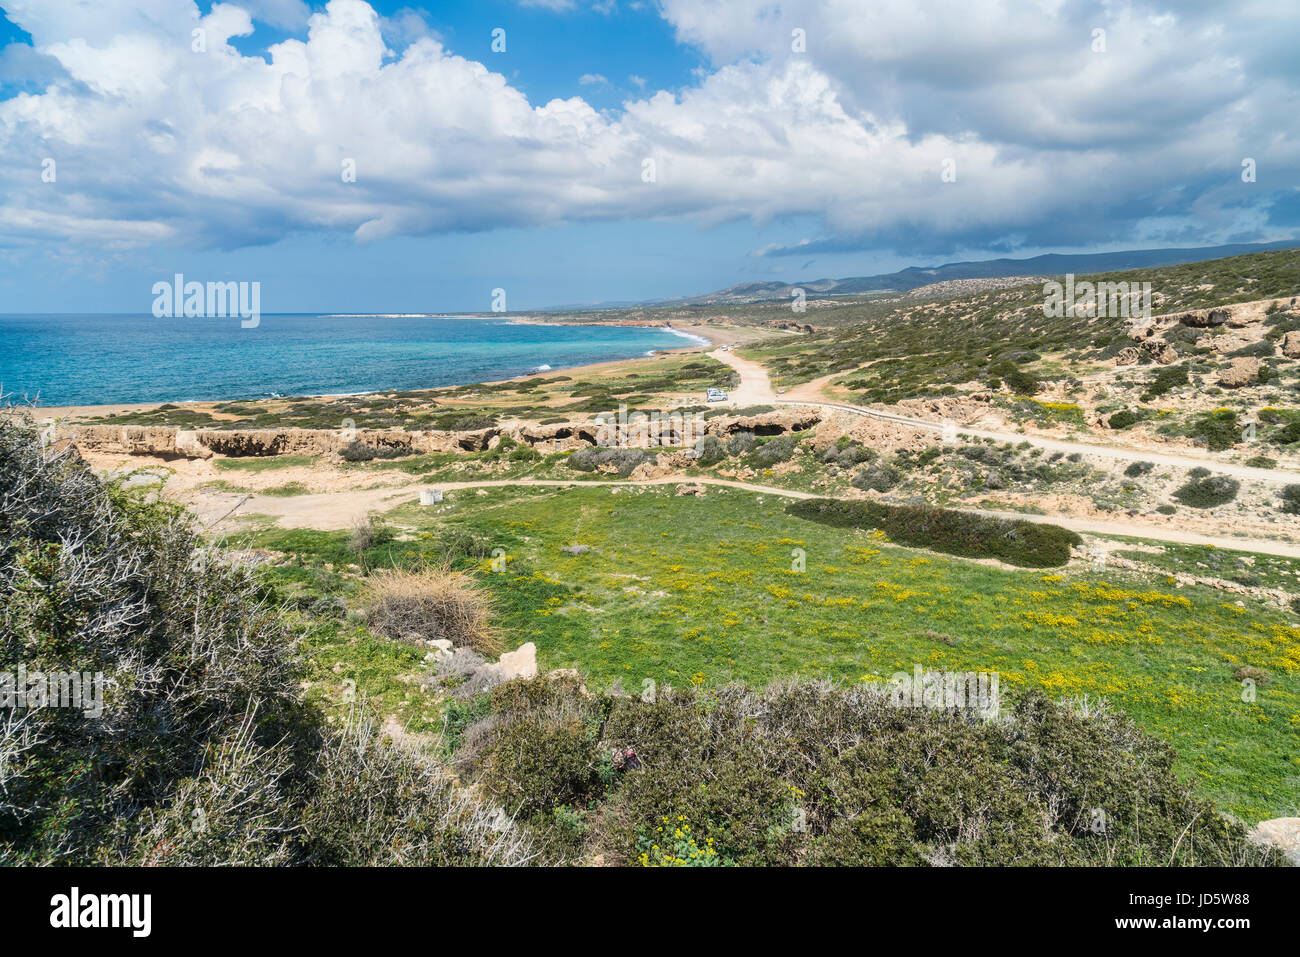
690, 488
576, 549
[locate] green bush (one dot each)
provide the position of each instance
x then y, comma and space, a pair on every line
1017, 542
1291, 499
779, 449
709, 451
203, 720
1165, 380
814, 773
1220, 429
1122, 419
1207, 491
1137, 469
878, 477
358, 451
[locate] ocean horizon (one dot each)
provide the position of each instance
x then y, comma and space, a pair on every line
103, 359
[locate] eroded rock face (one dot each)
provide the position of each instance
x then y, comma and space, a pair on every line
123, 439
557, 437
167, 441
1291, 345
1242, 371
768, 423
1127, 356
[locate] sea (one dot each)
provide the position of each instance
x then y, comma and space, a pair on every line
110, 359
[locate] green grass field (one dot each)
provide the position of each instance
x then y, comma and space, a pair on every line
705, 590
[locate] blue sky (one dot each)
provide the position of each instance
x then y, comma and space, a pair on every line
792, 140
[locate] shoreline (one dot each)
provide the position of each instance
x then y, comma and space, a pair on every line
710, 338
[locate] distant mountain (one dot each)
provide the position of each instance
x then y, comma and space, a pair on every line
1050, 264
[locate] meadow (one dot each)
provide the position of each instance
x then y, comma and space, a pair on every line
631, 585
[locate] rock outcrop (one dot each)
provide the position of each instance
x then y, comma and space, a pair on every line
1242, 371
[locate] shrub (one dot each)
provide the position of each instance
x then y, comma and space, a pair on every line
709, 451
1219, 429
429, 604
624, 461
378, 803
1261, 462
741, 442
1207, 492
779, 449
1137, 469
369, 532
1290, 499
1017, 542
358, 451
99, 578
813, 773
1165, 380
1021, 382
880, 478
1122, 419
203, 718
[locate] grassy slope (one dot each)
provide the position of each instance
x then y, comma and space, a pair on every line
915, 350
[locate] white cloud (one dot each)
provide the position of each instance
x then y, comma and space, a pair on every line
155, 141
592, 79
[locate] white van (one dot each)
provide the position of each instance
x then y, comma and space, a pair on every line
715, 395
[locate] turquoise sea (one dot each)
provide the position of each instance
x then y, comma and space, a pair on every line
100, 359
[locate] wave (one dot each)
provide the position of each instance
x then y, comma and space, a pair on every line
698, 340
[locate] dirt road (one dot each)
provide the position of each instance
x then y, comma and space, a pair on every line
339, 510
756, 387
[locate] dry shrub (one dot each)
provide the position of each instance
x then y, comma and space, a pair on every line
428, 604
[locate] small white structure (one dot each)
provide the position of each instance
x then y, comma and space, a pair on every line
430, 496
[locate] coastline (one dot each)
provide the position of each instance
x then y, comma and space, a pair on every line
708, 338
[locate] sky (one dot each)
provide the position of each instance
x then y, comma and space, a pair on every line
357, 156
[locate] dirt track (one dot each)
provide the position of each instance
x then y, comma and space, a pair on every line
338, 510
756, 388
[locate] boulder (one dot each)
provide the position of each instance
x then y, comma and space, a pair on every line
1280, 832
1291, 345
690, 488
1127, 356
521, 663
1242, 371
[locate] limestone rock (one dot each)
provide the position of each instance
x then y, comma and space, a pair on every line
1291, 345
690, 488
1127, 357
1282, 833
521, 663
1242, 371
